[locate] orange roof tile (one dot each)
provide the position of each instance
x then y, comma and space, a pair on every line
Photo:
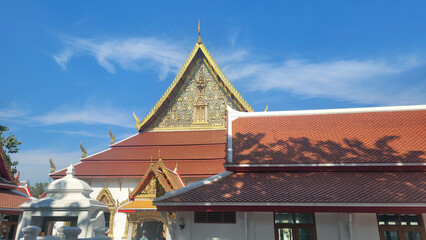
11, 199
308, 187
198, 153
370, 137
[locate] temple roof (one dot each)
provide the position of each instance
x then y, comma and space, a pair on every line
259, 191
199, 153
10, 196
6, 175
199, 55
344, 160
389, 135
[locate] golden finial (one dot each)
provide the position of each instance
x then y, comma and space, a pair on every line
199, 33
52, 166
176, 166
266, 109
159, 156
111, 136
137, 121
83, 151
152, 164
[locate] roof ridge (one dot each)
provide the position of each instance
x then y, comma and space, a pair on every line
237, 114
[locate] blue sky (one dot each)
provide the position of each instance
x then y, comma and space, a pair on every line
69, 70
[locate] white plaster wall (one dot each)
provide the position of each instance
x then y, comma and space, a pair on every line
121, 194
260, 226
211, 231
327, 226
365, 226
335, 226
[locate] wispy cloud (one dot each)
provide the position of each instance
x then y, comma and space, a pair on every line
87, 114
34, 164
79, 133
370, 81
133, 54
376, 81
65, 114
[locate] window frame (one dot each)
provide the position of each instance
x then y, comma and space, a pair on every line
401, 229
214, 222
296, 226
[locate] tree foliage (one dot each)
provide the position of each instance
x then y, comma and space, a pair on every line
38, 189
10, 145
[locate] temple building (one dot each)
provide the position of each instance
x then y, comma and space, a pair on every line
182, 140
313, 175
218, 170
12, 194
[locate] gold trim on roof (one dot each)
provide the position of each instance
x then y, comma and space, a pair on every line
229, 88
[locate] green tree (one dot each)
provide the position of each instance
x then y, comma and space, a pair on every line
38, 189
10, 145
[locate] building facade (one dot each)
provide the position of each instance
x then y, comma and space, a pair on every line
313, 175
184, 133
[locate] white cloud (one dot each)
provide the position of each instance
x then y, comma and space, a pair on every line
367, 81
34, 164
133, 54
79, 133
371, 81
87, 114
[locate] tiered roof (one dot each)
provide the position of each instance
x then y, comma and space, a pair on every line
10, 196
198, 154
193, 137
360, 160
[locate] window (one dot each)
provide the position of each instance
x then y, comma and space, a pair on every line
214, 217
401, 227
294, 226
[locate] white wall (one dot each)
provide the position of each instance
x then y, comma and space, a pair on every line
260, 225
121, 194
365, 226
335, 226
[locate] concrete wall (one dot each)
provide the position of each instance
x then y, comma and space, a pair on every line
250, 225
335, 226
119, 193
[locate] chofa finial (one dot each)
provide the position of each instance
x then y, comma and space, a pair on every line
111, 135
199, 33
83, 150
52, 166
137, 124
266, 109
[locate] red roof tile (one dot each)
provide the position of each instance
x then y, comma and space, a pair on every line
370, 137
5, 172
198, 154
10, 199
309, 187
108, 169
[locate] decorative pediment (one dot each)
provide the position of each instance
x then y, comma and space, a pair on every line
197, 97
105, 196
158, 180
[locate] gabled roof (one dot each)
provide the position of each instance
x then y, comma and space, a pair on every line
198, 52
380, 137
169, 180
199, 153
302, 191
6, 175
344, 160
